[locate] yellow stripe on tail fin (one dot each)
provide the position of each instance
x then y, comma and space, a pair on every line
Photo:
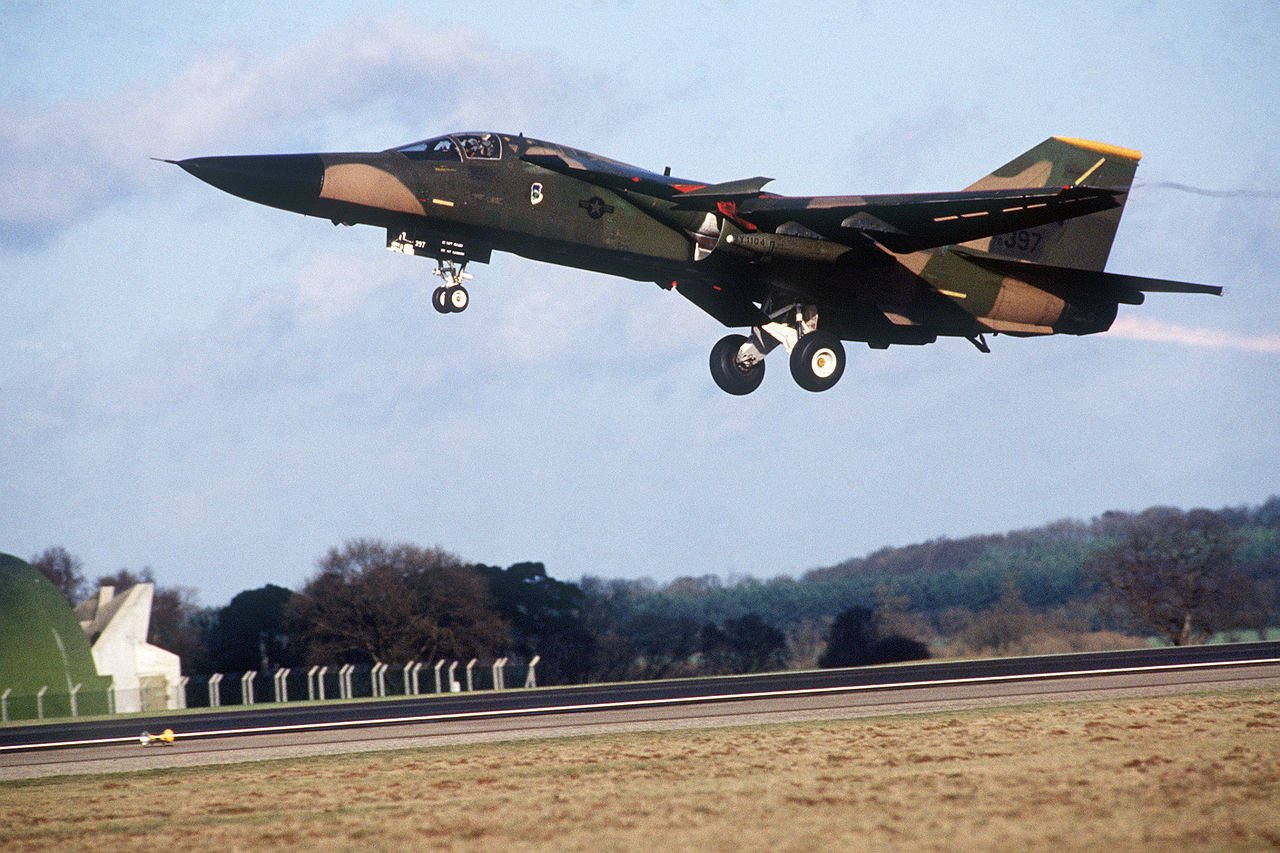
1102, 148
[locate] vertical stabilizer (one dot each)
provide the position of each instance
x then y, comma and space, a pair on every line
1084, 242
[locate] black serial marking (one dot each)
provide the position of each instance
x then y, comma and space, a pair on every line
1022, 241
595, 206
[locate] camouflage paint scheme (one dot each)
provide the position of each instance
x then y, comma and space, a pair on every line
1020, 252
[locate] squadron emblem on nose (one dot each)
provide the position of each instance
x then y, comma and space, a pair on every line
535, 193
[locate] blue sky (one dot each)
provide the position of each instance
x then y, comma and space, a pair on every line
223, 392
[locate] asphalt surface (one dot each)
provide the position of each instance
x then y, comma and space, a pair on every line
528, 704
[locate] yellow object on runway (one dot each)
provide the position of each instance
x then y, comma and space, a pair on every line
165, 738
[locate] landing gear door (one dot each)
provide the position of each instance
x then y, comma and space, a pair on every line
427, 244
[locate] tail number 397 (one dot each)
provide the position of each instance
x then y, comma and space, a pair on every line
1021, 241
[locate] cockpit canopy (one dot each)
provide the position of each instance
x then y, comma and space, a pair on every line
455, 147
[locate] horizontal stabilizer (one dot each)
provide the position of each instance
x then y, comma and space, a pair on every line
1123, 288
1164, 285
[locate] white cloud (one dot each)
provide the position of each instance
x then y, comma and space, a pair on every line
344, 89
1142, 329
332, 285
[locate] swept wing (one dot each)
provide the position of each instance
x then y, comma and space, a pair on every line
914, 222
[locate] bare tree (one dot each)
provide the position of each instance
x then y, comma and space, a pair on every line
64, 569
1175, 573
394, 603
125, 579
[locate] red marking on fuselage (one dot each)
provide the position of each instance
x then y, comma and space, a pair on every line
729, 209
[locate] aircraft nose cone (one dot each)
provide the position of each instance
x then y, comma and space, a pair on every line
289, 181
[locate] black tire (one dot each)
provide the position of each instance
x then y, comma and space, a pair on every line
817, 361
440, 300
458, 299
732, 377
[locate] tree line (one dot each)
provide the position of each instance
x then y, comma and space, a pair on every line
1070, 585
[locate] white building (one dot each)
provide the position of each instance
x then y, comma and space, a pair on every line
146, 677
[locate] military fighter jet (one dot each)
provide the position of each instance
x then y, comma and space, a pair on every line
1021, 252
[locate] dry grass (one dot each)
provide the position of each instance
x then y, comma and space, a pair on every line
1198, 771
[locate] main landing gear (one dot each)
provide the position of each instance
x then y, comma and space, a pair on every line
817, 356
451, 297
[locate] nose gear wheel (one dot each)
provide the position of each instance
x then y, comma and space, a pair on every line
451, 297
450, 300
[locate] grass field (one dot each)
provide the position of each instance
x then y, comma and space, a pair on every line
1175, 772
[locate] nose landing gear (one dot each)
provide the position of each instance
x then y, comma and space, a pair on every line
451, 256
451, 297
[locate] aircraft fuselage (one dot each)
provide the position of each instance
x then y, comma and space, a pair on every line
883, 270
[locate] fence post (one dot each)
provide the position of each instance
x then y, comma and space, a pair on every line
417, 686
344, 681
40, 702
531, 680
215, 690
246, 687
380, 678
470, 666
75, 706
453, 682
282, 684
4, 704
180, 692
439, 664
497, 673
407, 667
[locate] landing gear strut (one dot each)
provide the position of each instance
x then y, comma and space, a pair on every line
451, 297
817, 356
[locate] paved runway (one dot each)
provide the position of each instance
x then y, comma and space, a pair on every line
273, 731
